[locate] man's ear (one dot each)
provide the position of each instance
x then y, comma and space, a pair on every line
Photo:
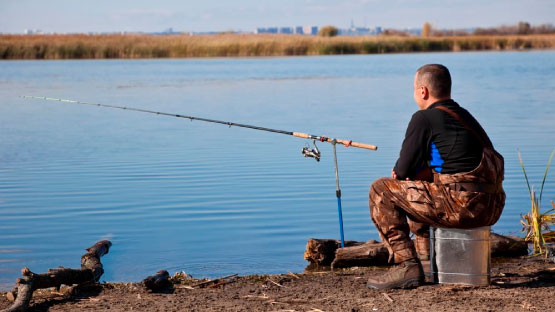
424, 93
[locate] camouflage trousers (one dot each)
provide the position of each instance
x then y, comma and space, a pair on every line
399, 207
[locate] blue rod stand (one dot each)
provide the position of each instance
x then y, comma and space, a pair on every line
340, 218
338, 194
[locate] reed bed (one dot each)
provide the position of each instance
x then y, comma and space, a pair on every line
80, 46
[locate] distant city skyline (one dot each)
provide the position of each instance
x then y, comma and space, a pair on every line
64, 16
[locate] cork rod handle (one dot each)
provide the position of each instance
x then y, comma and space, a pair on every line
341, 141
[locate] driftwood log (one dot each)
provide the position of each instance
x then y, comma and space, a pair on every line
367, 254
158, 282
90, 272
322, 251
507, 246
329, 252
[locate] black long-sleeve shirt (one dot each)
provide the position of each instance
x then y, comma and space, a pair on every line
435, 138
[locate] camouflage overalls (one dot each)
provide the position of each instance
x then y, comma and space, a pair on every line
461, 200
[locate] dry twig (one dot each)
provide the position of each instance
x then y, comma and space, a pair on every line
215, 280
269, 280
294, 275
387, 297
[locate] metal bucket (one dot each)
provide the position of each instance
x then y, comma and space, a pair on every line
460, 256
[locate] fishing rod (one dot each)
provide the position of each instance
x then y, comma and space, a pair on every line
347, 143
306, 151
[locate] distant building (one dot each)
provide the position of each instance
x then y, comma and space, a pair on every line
286, 30
360, 31
299, 30
414, 31
310, 30
32, 31
168, 31
268, 30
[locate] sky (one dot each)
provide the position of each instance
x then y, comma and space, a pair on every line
73, 16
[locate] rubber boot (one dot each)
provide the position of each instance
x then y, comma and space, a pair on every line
407, 274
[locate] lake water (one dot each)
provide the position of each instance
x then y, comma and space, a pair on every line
212, 200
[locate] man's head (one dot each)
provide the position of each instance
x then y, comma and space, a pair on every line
432, 83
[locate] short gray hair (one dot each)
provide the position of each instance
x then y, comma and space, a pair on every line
436, 78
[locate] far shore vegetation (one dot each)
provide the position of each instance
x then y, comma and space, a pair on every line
82, 46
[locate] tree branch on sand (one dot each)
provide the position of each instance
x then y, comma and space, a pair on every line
90, 272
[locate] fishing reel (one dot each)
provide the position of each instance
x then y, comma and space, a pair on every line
311, 152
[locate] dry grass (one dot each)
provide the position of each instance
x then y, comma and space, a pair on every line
178, 46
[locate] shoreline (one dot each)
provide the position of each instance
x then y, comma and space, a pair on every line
80, 46
523, 283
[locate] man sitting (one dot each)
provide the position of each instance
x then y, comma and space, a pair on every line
447, 175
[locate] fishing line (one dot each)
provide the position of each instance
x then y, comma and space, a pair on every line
347, 143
